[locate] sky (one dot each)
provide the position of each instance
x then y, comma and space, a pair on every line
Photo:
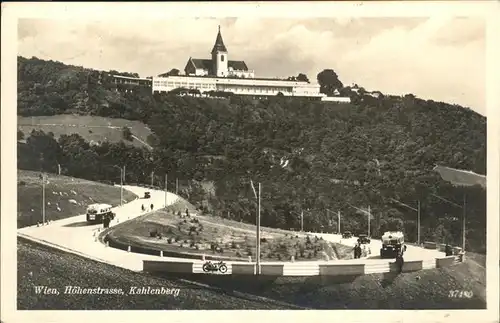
439, 58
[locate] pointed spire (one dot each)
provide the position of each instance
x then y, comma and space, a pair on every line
219, 44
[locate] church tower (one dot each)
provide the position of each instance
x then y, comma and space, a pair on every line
219, 57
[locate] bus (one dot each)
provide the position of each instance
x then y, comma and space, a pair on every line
96, 212
392, 243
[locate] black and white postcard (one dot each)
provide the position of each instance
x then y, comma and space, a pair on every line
279, 157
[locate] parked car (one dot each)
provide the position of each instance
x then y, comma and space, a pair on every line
147, 195
363, 239
346, 235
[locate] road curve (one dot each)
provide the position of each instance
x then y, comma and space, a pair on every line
76, 236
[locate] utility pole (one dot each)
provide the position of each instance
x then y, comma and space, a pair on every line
152, 178
166, 189
369, 218
463, 224
258, 235
122, 175
418, 222
44, 179
302, 221
58, 169
257, 244
176, 185
339, 221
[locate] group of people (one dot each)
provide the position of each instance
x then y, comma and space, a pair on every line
144, 209
106, 219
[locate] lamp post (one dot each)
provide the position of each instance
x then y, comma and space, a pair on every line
463, 207
166, 189
44, 182
338, 221
418, 215
257, 197
122, 175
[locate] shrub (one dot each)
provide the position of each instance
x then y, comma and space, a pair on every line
238, 254
192, 244
169, 240
279, 257
159, 236
186, 241
177, 238
309, 255
263, 240
179, 213
197, 247
181, 245
249, 252
153, 233
221, 250
22, 183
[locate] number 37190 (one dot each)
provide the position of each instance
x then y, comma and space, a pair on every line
460, 293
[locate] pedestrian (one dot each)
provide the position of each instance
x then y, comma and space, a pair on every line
106, 221
151, 206
400, 261
142, 208
447, 250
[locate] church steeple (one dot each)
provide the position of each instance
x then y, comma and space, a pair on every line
219, 44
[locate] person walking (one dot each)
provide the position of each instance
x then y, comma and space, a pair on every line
151, 206
142, 208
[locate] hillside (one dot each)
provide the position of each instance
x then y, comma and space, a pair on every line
42, 266
91, 128
309, 156
64, 197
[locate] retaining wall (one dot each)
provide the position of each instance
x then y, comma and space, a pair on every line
302, 269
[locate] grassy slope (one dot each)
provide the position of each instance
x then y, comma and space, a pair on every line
87, 192
42, 266
89, 127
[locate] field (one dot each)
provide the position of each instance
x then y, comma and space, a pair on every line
175, 230
461, 177
92, 128
64, 197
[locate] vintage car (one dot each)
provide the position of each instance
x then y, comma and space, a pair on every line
346, 235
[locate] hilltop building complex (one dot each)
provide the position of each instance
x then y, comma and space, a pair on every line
220, 74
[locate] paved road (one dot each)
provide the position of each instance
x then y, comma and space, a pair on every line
75, 235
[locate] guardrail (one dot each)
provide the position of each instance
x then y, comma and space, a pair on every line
300, 269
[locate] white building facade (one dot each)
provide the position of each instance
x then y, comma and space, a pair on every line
221, 74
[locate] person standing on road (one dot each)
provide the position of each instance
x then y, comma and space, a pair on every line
400, 261
151, 206
447, 250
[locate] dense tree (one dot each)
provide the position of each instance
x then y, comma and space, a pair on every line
329, 81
